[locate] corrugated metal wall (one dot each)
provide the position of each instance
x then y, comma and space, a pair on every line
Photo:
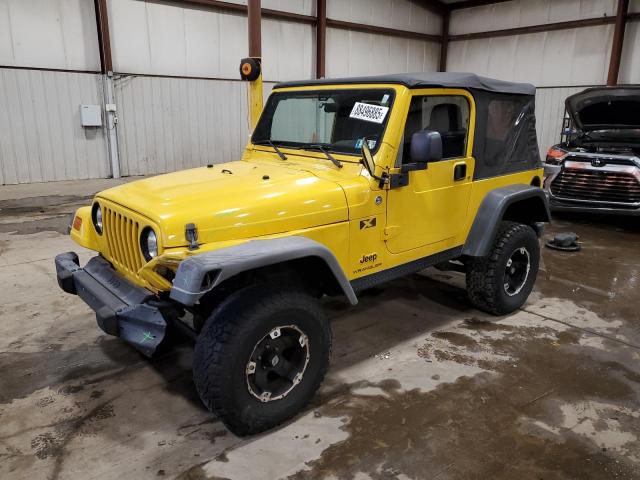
168, 124
522, 13
169, 39
408, 15
40, 134
49, 34
355, 53
549, 114
559, 63
172, 123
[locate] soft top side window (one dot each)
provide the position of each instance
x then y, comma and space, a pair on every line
446, 114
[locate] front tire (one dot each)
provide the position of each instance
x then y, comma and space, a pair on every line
502, 281
261, 356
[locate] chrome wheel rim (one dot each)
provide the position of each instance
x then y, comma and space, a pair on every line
517, 271
277, 363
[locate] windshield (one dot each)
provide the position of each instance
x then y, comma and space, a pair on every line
337, 120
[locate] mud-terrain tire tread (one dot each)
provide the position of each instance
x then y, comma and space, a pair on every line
482, 272
225, 327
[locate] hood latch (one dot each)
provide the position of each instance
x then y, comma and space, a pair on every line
191, 234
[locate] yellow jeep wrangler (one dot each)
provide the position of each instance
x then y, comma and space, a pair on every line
345, 184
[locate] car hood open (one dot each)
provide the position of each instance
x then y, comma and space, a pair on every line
606, 108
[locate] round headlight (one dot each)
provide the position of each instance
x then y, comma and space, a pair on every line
96, 216
149, 243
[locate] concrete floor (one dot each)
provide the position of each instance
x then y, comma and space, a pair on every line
421, 384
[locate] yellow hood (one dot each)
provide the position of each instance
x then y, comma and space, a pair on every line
233, 200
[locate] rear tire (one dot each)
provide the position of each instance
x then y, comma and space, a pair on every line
502, 281
261, 356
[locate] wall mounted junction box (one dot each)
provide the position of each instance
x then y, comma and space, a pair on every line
90, 115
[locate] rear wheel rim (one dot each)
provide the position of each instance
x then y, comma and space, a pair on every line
277, 363
517, 271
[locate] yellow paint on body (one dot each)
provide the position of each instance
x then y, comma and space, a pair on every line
262, 196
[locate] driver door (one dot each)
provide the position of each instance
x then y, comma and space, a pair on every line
432, 204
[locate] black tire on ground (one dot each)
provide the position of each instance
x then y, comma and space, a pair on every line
229, 341
490, 285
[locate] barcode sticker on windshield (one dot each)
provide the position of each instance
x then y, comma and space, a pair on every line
368, 112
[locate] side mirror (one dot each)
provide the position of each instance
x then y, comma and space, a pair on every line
426, 146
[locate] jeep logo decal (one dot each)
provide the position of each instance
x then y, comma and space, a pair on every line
368, 223
369, 258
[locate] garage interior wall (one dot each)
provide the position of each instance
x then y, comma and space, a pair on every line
180, 103
559, 63
40, 134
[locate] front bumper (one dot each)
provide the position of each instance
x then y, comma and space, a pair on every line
581, 206
122, 309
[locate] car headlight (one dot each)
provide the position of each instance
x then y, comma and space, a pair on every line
149, 243
96, 216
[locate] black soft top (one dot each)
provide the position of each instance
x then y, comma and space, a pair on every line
427, 80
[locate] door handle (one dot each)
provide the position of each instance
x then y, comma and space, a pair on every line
459, 171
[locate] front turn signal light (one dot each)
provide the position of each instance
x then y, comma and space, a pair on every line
555, 156
77, 223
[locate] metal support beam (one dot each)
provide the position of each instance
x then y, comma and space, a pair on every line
321, 38
360, 27
106, 67
618, 41
473, 3
546, 27
239, 8
104, 39
444, 42
254, 15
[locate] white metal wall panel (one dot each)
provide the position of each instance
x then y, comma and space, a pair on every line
630, 61
578, 56
303, 7
168, 39
400, 14
549, 114
522, 13
356, 53
42, 139
49, 34
168, 124
288, 51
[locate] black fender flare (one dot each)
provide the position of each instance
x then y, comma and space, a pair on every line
201, 273
521, 203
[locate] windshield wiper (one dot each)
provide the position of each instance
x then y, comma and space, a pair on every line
272, 145
323, 150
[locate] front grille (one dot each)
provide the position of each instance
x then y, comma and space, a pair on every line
123, 239
597, 186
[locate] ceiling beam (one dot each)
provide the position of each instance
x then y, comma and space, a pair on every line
473, 3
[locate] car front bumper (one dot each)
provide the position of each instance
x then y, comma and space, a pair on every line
122, 309
581, 206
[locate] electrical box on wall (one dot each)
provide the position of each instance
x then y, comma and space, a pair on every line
90, 116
